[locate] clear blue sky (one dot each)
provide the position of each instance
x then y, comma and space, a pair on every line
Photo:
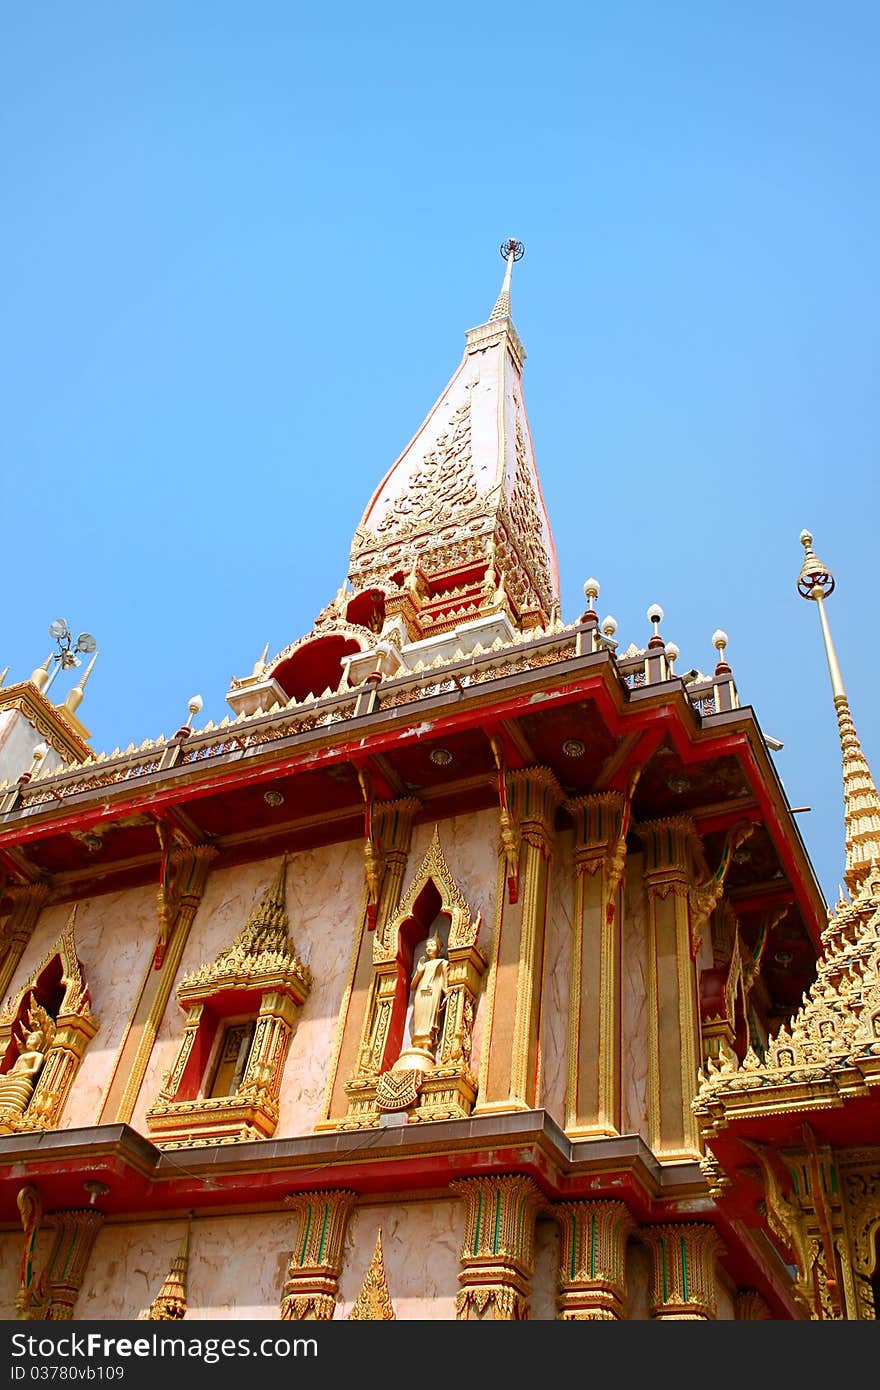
241, 245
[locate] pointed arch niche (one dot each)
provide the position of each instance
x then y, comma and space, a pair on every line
53, 1009
241, 1012
433, 905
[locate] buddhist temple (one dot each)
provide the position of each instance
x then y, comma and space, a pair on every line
472, 967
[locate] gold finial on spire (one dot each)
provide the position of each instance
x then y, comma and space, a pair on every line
512, 250
75, 694
860, 800
260, 663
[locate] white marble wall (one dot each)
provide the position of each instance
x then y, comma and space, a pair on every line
18, 739
237, 1267
115, 937
556, 981
634, 971
421, 1245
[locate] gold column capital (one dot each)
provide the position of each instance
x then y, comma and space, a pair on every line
312, 1282
683, 1286
592, 1259
497, 1255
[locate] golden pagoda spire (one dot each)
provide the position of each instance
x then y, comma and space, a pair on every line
75, 694
263, 947
512, 250
860, 799
170, 1302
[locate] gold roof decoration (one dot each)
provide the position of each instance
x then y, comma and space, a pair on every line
373, 1303
260, 957
833, 1041
860, 800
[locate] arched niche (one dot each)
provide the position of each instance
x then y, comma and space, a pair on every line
241, 1011
433, 902
315, 665
54, 1003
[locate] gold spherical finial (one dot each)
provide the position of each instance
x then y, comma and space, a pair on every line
815, 579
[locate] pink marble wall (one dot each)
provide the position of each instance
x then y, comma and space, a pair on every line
638, 1282
545, 1282
237, 1266
421, 1244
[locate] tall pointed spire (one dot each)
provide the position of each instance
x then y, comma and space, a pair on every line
75, 694
457, 531
512, 250
860, 800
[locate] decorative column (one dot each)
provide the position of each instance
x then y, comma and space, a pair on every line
510, 1062
683, 1284
497, 1256
190, 875
673, 1021
76, 1232
312, 1282
592, 1260
391, 833
593, 1104
27, 904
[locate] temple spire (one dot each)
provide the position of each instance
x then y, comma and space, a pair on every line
512, 250
860, 800
75, 694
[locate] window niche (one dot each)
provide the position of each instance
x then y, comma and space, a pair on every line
225, 1083
416, 1044
44, 1032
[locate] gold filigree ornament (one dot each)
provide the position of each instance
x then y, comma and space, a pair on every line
373, 1303
398, 1090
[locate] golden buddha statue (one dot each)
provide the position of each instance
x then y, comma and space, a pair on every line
429, 986
17, 1085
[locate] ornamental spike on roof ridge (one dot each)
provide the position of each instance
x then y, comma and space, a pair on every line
340, 704
838, 1024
